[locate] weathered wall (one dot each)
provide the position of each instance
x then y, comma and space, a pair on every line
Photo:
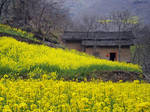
105, 51
74, 45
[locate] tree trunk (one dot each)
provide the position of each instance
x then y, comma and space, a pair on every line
2, 6
119, 45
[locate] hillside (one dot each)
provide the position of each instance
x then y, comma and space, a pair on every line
25, 36
27, 60
19, 34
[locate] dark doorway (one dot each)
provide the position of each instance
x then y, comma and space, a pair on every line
112, 56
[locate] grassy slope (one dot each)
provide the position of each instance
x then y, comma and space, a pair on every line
21, 59
5, 29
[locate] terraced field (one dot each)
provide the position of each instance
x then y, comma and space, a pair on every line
28, 60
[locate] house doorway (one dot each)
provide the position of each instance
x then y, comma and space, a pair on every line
113, 56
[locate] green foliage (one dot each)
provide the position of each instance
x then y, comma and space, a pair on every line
131, 20
16, 32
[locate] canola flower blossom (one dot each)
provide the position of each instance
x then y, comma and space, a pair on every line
21, 59
44, 95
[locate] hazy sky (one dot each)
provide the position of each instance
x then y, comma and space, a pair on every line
103, 7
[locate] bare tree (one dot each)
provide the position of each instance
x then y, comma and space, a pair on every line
90, 25
87, 24
3, 6
42, 17
2, 3
141, 50
119, 21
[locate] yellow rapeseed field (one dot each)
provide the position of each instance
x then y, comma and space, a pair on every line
21, 59
59, 96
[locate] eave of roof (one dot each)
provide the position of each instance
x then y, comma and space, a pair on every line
106, 43
96, 35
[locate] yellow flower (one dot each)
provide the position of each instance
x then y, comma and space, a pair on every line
1, 99
5, 76
33, 107
23, 106
136, 81
44, 77
143, 107
106, 109
6, 109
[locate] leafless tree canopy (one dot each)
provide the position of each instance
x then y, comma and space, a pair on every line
141, 50
44, 16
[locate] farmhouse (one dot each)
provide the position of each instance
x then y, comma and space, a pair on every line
104, 45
